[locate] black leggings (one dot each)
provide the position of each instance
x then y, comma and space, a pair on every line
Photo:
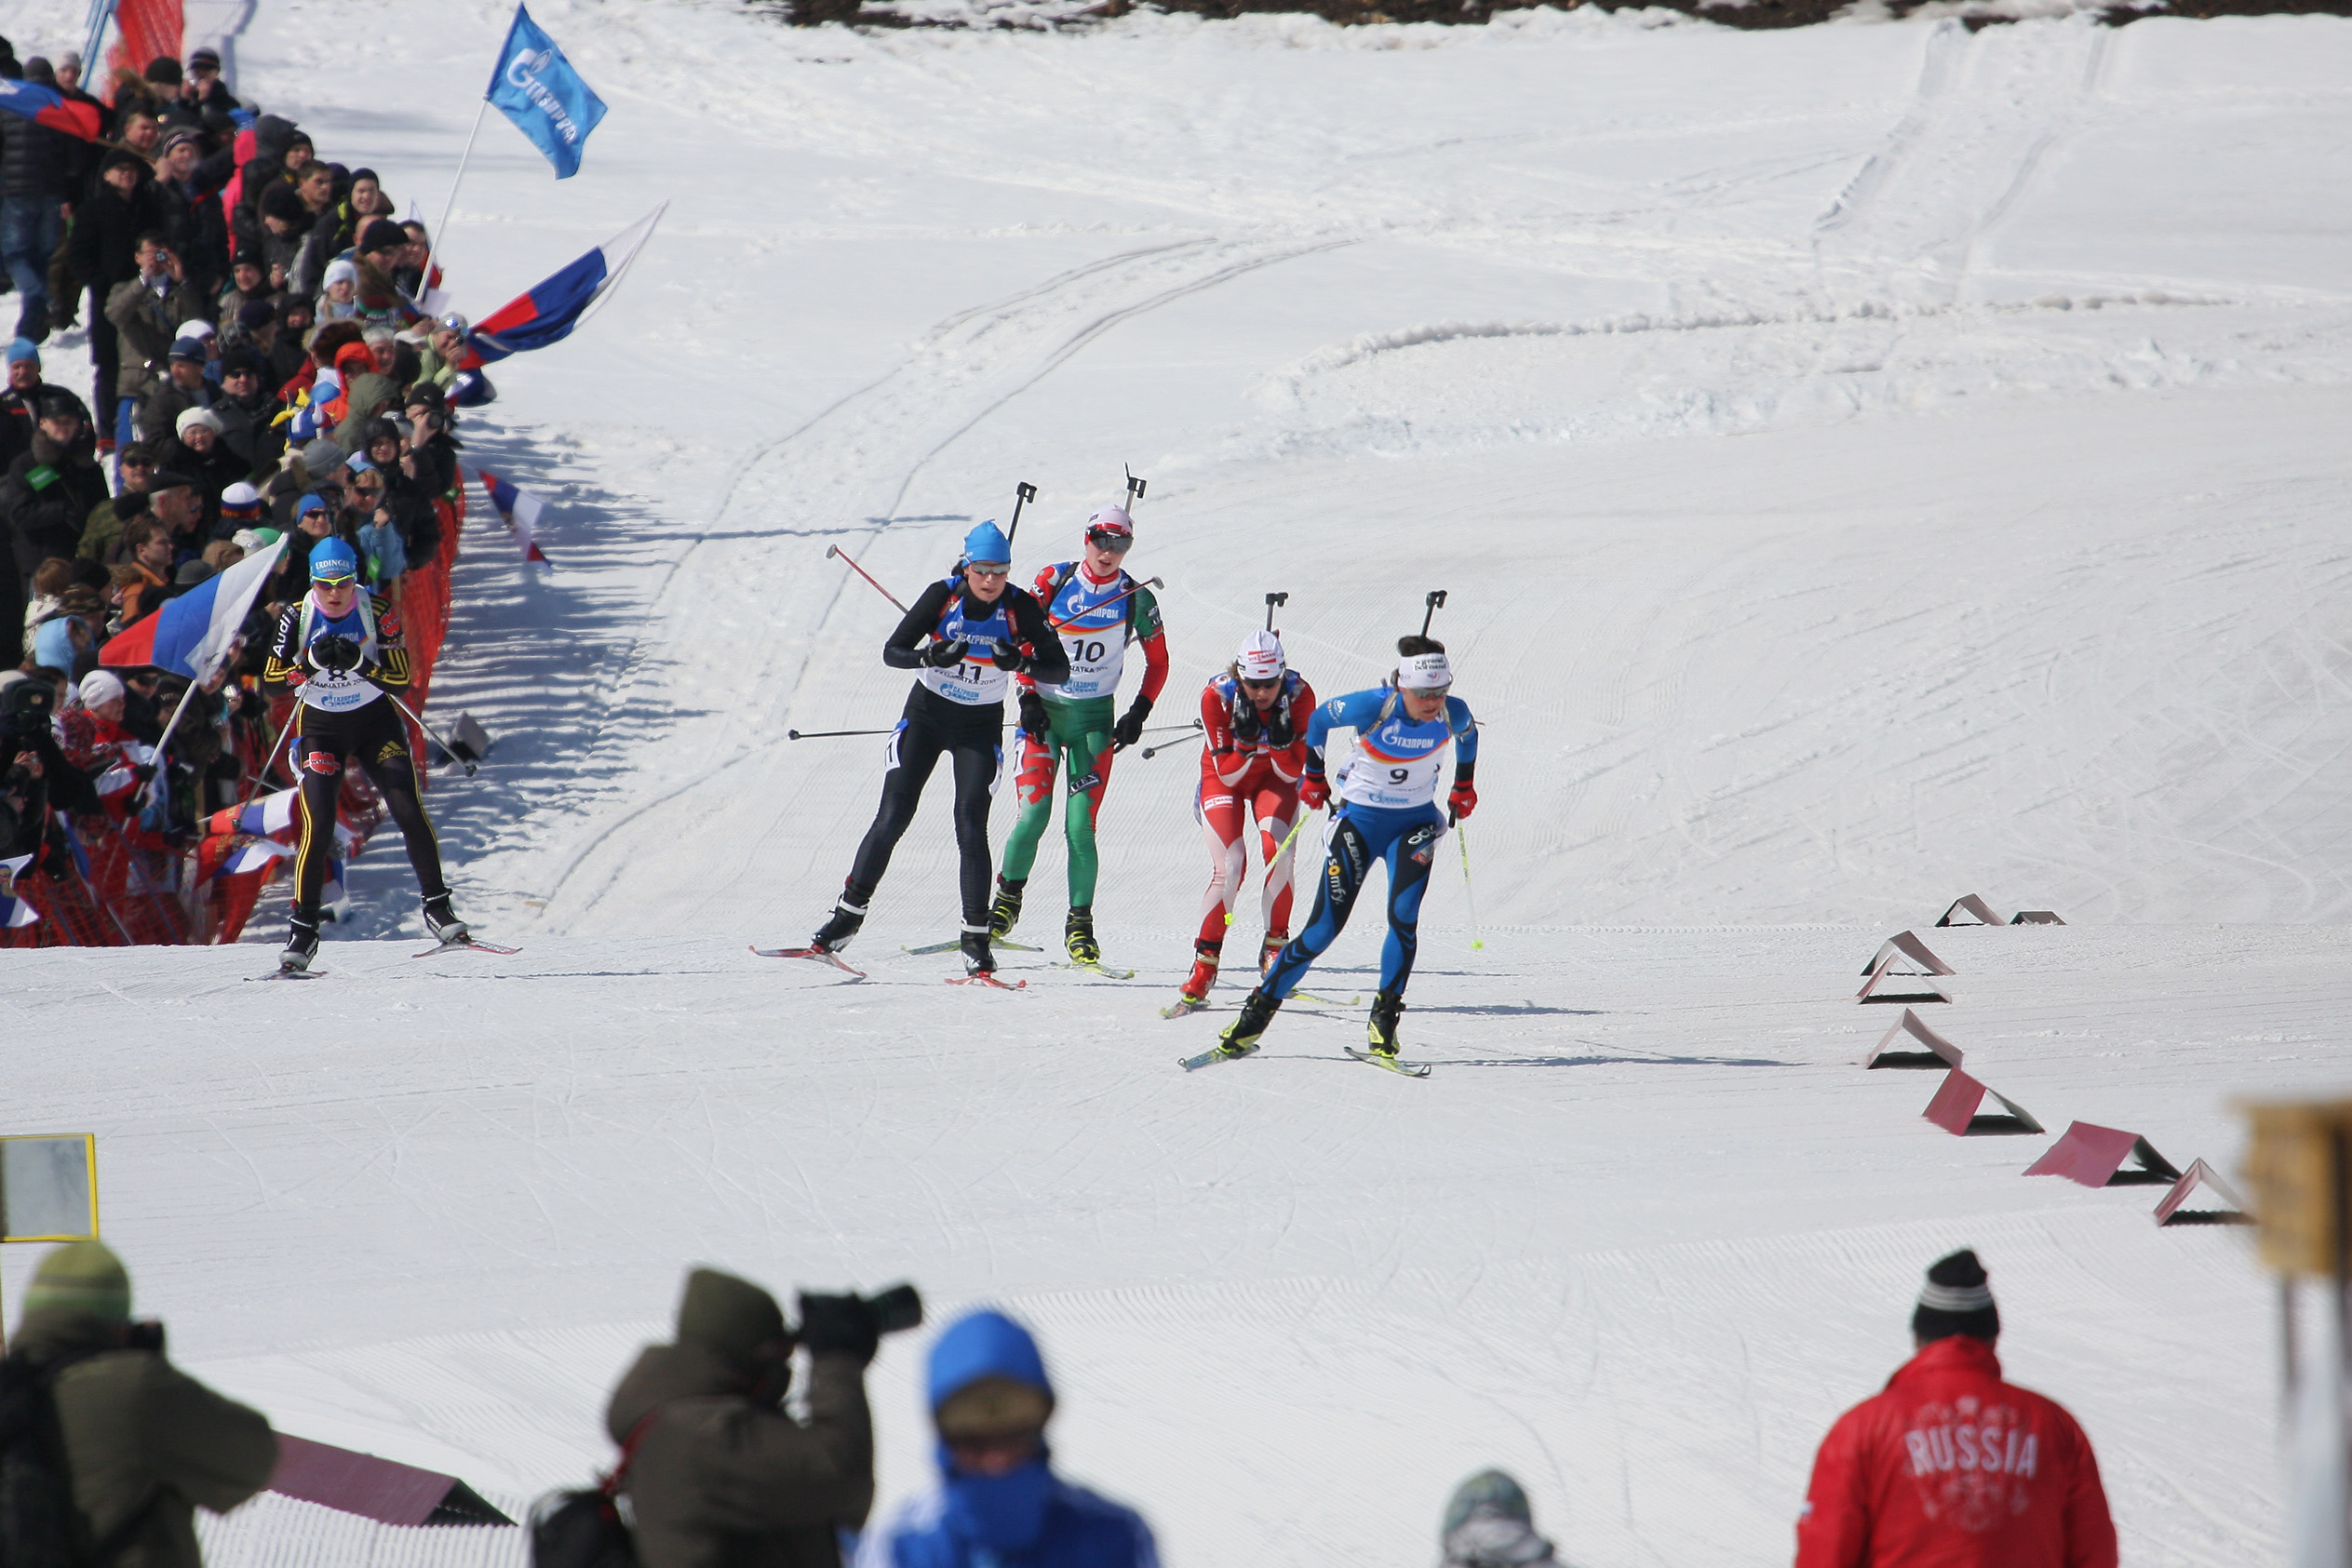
376, 738
974, 737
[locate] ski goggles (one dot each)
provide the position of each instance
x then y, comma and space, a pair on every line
344, 579
1268, 684
1107, 538
989, 568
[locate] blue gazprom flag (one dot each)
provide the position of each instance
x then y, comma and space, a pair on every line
536, 87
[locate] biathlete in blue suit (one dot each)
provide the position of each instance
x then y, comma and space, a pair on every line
1387, 811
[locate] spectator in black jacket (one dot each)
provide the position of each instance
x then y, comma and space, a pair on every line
47, 495
191, 217
123, 205
246, 409
41, 172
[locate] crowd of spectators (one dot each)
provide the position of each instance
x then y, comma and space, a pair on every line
268, 362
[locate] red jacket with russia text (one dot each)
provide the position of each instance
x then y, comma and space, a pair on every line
1952, 1467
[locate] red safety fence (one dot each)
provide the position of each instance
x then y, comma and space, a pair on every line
137, 890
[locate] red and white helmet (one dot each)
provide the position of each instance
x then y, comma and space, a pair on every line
1260, 657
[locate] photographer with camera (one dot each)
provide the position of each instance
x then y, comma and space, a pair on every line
36, 777
137, 1445
340, 650
715, 1473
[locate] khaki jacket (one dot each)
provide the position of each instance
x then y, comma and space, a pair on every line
140, 1432
719, 1481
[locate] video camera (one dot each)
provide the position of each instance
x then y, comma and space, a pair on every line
891, 1310
24, 716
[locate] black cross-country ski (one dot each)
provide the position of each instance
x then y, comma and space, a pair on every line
471, 944
986, 979
1214, 1053
283, 972
1407, 1069
819, 954
952, 946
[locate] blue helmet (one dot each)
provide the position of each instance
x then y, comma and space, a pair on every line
331, 561
987, 542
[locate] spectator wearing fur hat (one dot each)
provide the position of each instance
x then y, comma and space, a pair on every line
1951, 1467
202, 453
20, 401
146, 1444
103, 529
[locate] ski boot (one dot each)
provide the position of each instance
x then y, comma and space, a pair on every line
1387, 1008
1005, 913
1267, 948
302, 946
1196, 985
1077, 936
977, 959
442, 921
1241, 1036
839, 927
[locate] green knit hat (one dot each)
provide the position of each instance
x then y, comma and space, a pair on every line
733, 1317
80, 1279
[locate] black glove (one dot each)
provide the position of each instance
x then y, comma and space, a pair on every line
1128, 730
144, 771
335, 652
1246, 724
1009, 657
1279, 733
838, 1324
1034, 717
939, 655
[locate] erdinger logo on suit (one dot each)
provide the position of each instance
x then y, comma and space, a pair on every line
322, 763
1973, 1466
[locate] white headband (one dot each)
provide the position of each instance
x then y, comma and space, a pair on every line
1424, 671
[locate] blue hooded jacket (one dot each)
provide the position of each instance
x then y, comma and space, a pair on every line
1029, 1519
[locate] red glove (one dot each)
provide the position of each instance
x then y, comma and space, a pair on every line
1314, 792
1463, 801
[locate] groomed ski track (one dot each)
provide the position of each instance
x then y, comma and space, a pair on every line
1870, 464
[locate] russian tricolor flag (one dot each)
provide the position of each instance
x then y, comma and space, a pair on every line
46, 106
521, 509
190, 635
552, 308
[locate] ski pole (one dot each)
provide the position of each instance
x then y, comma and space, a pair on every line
1468, 892
1125, 592
1023, 493
262, 779
1134, 487
1435, 602
437, 738
833, 550
1271, 600
1155, 751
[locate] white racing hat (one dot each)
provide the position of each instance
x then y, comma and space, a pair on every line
99, 687
1260, 657
1424, 671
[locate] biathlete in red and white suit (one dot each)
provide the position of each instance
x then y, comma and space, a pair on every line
1255, 715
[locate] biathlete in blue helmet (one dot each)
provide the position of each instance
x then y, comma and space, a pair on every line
340, 652
981, 632
1387, 811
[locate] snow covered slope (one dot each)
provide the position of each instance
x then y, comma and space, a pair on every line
1869, 463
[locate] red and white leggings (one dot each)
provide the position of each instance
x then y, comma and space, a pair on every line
1225, 813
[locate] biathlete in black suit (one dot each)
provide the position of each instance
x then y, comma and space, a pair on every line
981, 632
